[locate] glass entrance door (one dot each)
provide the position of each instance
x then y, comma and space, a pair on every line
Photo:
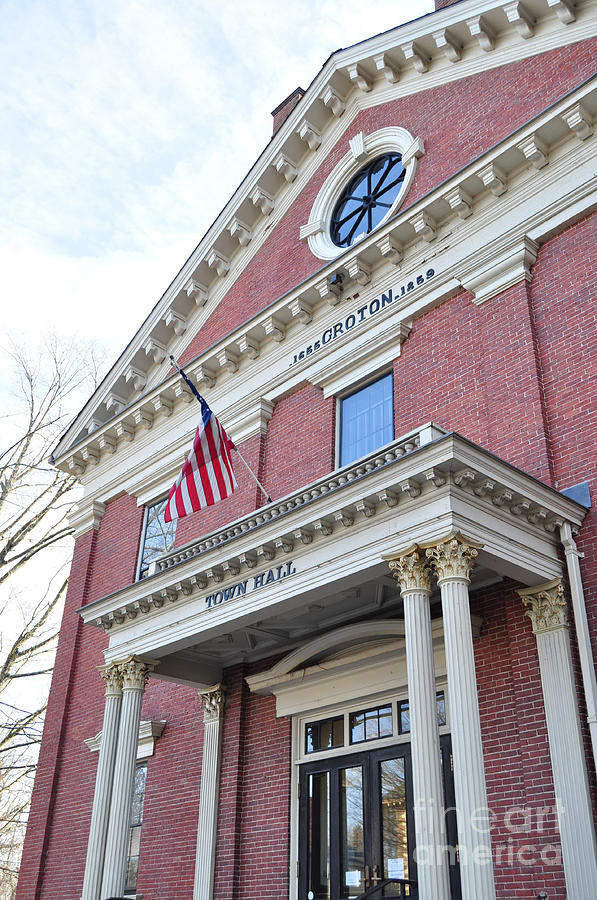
357, 825
356, 822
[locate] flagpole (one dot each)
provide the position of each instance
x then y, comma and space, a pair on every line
197, 395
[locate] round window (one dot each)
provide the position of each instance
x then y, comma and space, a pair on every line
367, 199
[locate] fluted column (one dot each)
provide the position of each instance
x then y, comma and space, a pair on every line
413, 573
213, 716
96, 845
452, 560
546, 608
135, 674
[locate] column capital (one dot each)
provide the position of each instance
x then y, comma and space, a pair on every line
213, 703
135, 672
412, 570
453, 557
112, 678
545, 605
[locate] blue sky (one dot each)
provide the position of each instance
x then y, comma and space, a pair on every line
126, 126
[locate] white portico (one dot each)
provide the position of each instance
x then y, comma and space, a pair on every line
435, 510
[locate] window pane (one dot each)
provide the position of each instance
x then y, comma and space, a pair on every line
357, 727
367, 420
370, 724
393, 811
319, 836
158, 537
132, 872
441, 709
404, 713
403, 717
351, 820
385, 722
132, 863
324, 735
138, 794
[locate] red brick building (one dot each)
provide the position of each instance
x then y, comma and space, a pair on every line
382, 682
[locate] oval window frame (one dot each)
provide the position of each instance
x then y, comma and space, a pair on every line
363, 150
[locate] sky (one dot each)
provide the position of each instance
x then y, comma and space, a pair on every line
125, 128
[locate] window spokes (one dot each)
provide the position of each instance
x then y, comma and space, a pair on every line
365, 189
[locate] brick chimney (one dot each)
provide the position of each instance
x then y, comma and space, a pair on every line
281, 112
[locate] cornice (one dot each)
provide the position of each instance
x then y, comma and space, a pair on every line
149, 732
406, 473
501, 180
85, 516
448, 44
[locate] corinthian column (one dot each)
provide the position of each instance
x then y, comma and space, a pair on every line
413, 574
135, 674
96, 845
452, 560
213, 716
546, 608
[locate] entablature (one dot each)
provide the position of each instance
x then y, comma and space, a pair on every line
449, 44
415, 490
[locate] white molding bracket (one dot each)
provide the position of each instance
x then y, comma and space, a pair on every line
501, 273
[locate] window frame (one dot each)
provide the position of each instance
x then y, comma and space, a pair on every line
142, 540
360, 386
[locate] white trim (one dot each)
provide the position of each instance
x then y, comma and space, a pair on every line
149, 732
392, 139
581, 625
354, 661
141, 546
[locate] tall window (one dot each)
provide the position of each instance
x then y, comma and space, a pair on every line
158, 536
366, 420
132, 862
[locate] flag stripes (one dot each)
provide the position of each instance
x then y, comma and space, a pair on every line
207, 475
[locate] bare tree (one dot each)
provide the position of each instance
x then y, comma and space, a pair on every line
35, 500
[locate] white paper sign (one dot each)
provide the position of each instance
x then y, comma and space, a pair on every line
396, 867
353, 878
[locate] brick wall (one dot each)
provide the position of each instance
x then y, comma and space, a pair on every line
514, 732
39, 831
564, 293
55, 850
473, 369
300, 439
265, 803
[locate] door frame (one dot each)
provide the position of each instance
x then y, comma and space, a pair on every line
373, 840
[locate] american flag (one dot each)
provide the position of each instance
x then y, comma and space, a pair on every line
207, 474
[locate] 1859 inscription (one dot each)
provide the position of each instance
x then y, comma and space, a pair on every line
359, 315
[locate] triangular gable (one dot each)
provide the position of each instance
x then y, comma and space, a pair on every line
251, 254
